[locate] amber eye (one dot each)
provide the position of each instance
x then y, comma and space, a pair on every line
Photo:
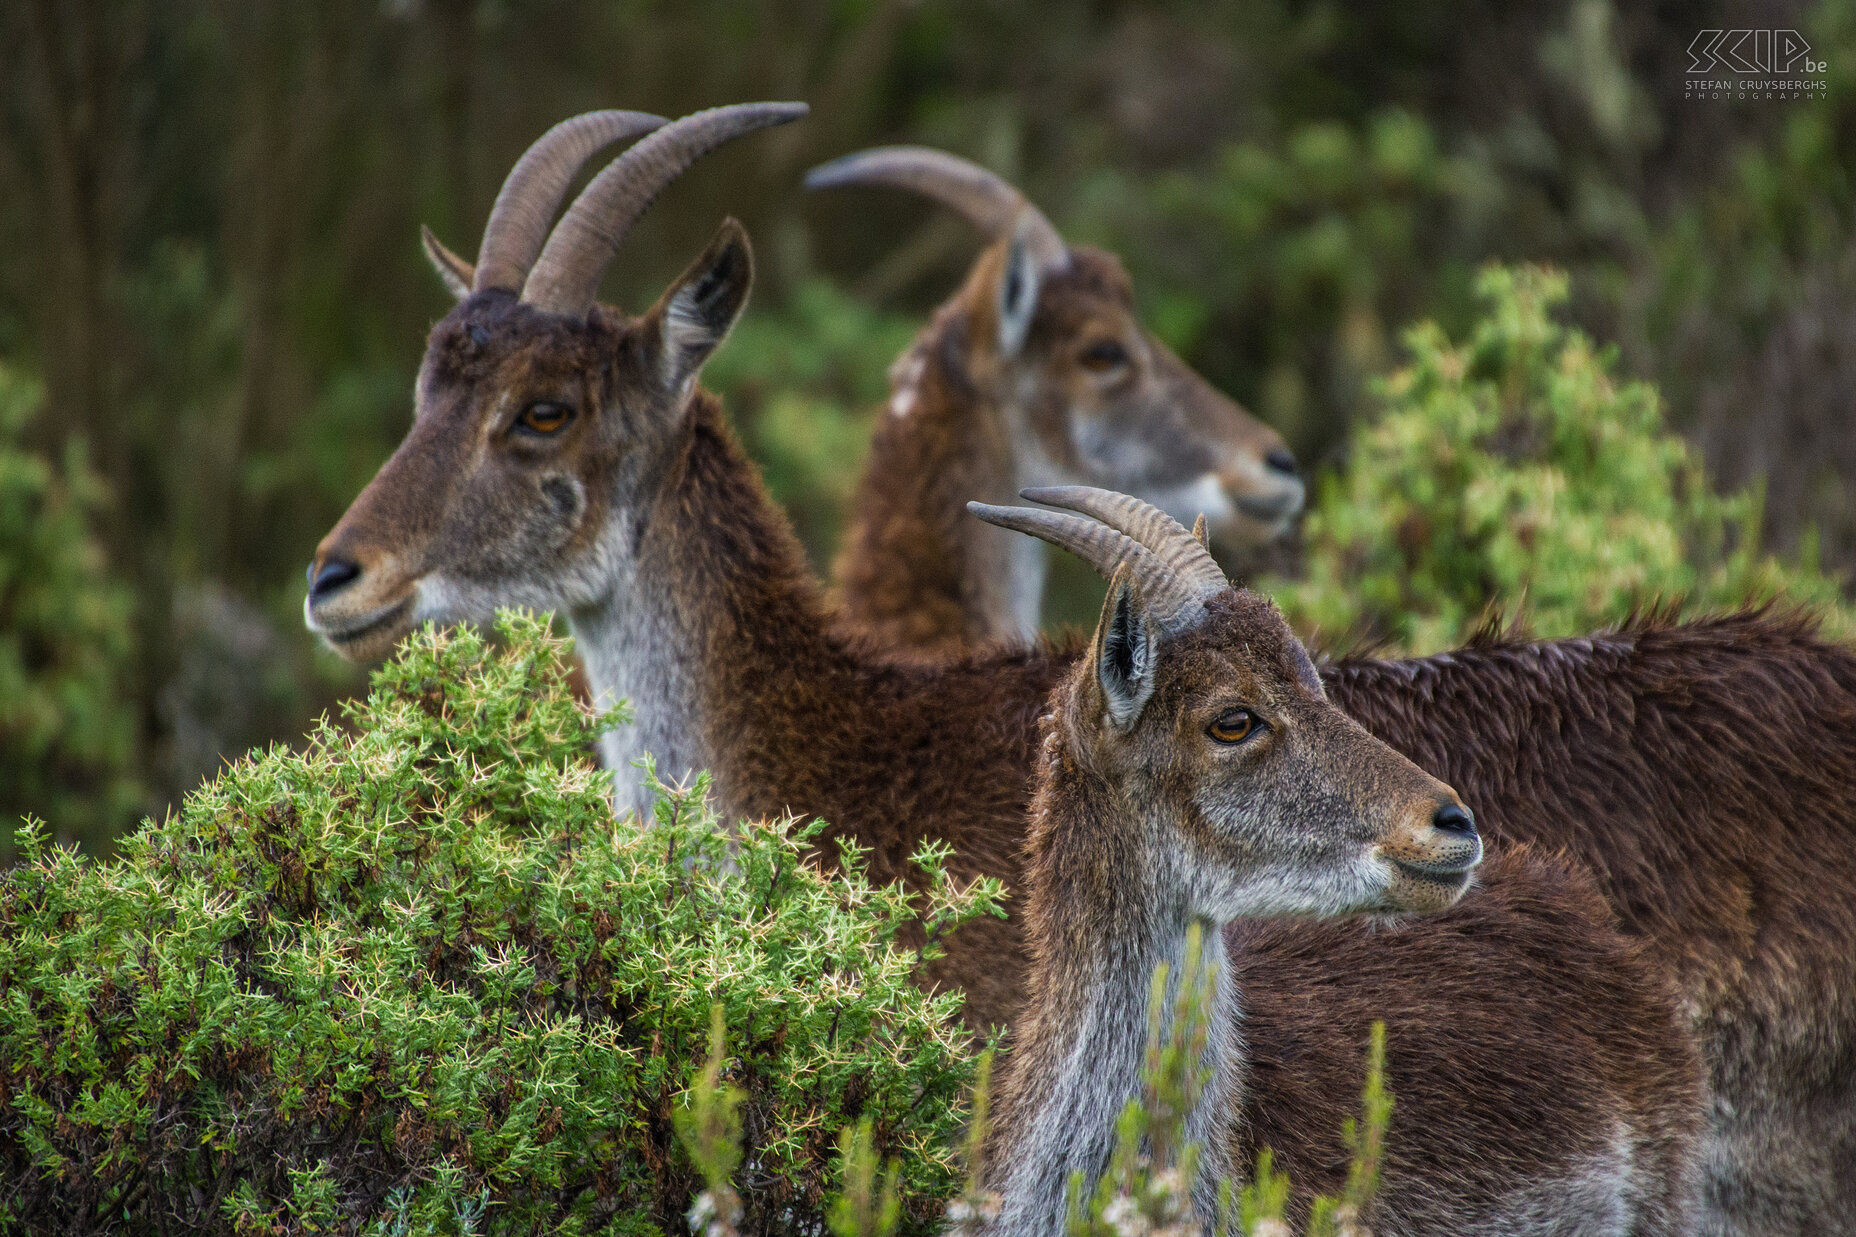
1104, 355
544, 417
1235, 726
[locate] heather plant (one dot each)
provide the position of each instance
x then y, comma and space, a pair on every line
417, 977
67, 734
1513, 472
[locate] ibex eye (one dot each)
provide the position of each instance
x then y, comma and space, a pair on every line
544, 417
1235, 726
1104, 355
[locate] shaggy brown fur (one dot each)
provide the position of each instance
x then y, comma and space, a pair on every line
1522, 1030
1689, 765
1706, 772
890, 754
904, 575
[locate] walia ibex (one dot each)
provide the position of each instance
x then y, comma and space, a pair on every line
562, 457
1193, 770
1036, 372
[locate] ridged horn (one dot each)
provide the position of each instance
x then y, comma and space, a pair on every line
1175, 603
566, 278
533, 190
1166, 537
987, 201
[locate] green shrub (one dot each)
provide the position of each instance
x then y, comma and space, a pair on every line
1148, 1184
416, 977
1514, 471
67, 735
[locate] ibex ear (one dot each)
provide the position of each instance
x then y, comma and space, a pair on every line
1018, 294
696, 313
1126, 644
454, 270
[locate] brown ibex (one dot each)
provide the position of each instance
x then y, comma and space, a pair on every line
1036, 372
1193, 770
563, 458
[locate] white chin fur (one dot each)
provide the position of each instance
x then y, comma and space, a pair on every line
1340, 888
445, 600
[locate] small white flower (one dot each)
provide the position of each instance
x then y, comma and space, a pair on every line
706, 1216
1347, 1223
1124, 1217
1169, 1188
972, 1212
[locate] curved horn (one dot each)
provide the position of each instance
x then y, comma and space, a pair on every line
532, 192
1177, 605
986, 199
566, 278
1166, 537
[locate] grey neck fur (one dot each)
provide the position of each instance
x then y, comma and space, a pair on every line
1010, 569
1091, 1045
1007, 571
636, 643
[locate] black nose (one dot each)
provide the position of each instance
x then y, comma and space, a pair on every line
330, 576
1282, 460
1454, 818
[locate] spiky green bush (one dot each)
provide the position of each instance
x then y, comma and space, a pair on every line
66, 733
416, 977
1515, 471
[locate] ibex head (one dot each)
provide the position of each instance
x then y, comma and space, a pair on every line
1200, 714
1053, 336
538, 413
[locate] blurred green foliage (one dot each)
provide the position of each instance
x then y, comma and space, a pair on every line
1514, 472
1742, 309
1148, 1185
1287, 260
417, 977
67, 735
804, 382
1713, 239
